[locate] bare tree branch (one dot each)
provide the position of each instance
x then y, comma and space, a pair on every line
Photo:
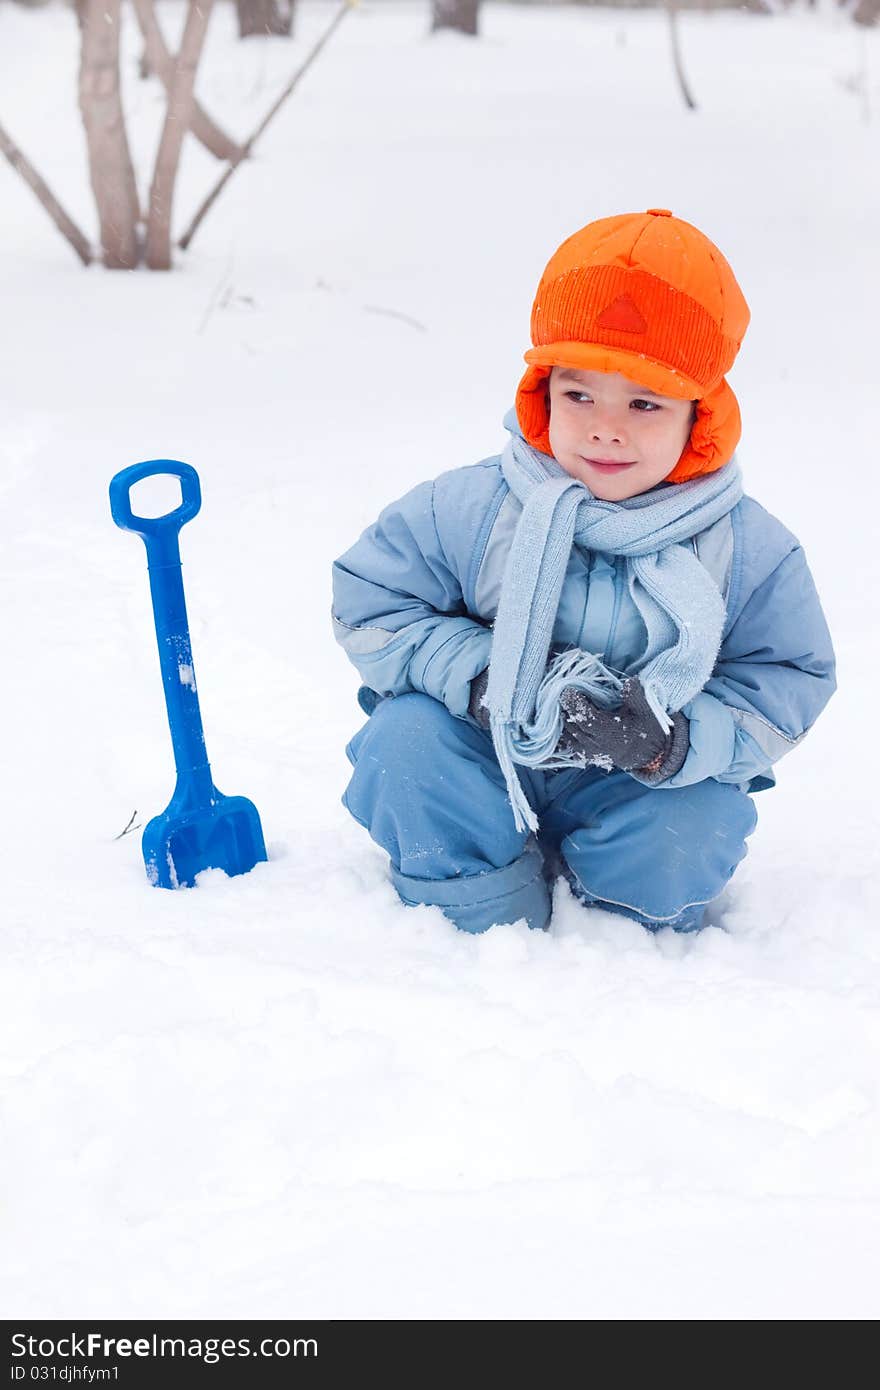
66, 226
672, 12
221, 183
177, 120
110, 165
161, 63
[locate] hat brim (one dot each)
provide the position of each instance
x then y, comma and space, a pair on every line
592, 357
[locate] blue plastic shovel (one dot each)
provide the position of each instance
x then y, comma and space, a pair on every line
201, 828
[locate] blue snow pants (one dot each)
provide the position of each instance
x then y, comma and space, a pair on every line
429, 790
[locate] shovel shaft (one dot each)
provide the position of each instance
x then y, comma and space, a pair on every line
178, 673
160, 536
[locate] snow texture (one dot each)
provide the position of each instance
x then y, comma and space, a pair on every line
287, 1094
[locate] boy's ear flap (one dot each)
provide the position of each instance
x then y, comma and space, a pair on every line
715, 434
533, 407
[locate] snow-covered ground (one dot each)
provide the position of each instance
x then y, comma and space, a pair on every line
286, 1094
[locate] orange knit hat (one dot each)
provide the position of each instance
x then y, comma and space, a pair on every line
647, 295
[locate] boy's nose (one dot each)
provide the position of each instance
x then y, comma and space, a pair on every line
606, 430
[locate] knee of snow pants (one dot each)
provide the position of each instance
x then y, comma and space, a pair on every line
658, 856
428, 788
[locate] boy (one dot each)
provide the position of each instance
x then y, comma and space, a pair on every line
587, 653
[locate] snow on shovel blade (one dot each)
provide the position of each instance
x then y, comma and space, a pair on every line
200, 828
228, 837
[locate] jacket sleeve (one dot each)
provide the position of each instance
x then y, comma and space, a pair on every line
399, 611
773, 677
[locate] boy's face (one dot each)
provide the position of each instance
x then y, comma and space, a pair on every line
614, 435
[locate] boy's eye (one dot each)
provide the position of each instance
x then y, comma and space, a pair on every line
583, 398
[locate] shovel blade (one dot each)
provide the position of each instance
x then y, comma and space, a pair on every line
178, 845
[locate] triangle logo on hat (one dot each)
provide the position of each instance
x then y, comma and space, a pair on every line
622, 316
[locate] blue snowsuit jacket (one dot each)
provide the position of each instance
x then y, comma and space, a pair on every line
414, 600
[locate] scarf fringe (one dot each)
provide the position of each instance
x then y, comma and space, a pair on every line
503, 734
656, 706
535, 744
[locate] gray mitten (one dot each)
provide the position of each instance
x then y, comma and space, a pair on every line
476, 709
629, 737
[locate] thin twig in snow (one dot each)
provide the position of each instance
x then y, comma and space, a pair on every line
672, 14
131, 826
395, 314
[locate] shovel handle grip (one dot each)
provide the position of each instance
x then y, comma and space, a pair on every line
148, 526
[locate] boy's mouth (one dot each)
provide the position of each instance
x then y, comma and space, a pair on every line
610, 465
